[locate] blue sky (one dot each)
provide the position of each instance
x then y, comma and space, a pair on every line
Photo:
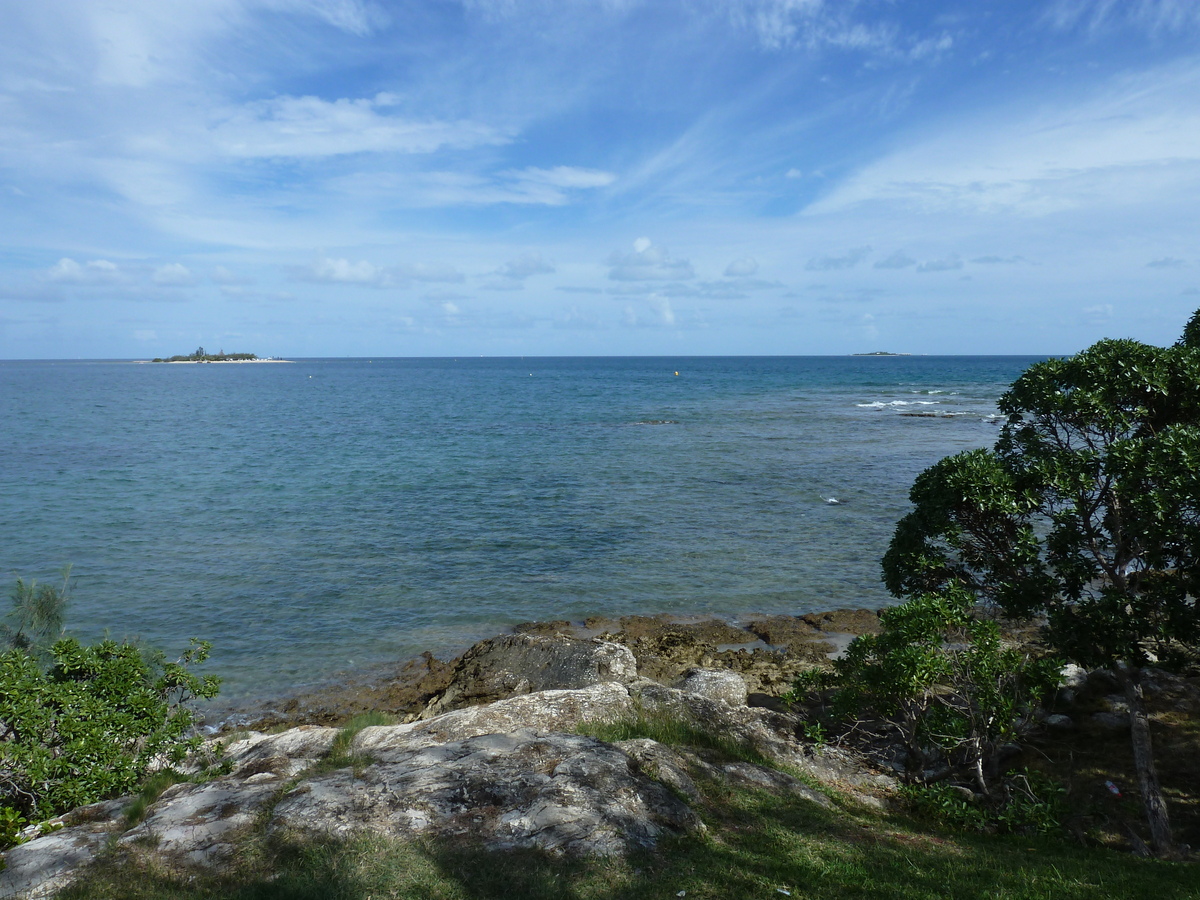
569, 177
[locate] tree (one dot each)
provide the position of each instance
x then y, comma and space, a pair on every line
1086, 510
37, 611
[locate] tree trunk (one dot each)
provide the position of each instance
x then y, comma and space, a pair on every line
1153, 803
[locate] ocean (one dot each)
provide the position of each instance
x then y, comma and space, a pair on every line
335, 514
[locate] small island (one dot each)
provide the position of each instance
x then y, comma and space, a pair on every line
881, 353
200, 356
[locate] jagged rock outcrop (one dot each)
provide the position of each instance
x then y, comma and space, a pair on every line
715, 684
525, 663
509, 773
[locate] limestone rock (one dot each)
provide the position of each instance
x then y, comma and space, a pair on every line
46, 865
524, 663
667, 764
557, 792
199, 823
510, 774
1074, 678
547, 710
285, 754
715, 684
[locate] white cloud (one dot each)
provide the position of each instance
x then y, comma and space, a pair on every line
1136, 140
525, 265
224, 276
849, 260
173, 275
1095, 16
351, 16
741, 268
647, 262
342, 271
312, 127
662, 306
97, 271
780, 24
998, 260
564, 177
898, 260
945, 264
429, 272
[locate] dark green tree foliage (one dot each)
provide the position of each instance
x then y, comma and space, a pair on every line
91, 725
1087, 510
938, 681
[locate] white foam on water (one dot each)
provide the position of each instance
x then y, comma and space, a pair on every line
879, 404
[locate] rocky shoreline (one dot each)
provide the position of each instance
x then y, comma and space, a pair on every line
768, 651
505, 747
497, 755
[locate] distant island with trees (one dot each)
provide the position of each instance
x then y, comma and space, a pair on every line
199, 355
881, 353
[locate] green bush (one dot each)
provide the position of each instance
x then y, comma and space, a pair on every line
938, 683
92, 723
1023, 803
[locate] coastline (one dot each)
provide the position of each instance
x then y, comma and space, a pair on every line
767, 650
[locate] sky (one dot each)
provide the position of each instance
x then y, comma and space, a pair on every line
596, 177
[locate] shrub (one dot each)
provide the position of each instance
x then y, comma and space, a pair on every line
938, 682
92, 724
1024, 803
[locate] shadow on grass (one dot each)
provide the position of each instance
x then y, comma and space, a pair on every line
756, 846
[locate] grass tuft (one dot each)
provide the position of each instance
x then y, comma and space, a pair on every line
673, 730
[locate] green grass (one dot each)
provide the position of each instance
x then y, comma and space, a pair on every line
674, 731
340, 749
152, 788
756, 845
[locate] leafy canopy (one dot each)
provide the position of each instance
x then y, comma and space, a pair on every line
91, 725
1087, 509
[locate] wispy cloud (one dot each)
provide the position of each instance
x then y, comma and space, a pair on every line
1133, 139
897, 260
998, 260
311, 127
945, 264
1093, 16
647, 262
847, 260
333, 270
326, 270
173, 275
511, 276
96, 271
741, 268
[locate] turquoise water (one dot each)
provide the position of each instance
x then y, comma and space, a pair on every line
336, 513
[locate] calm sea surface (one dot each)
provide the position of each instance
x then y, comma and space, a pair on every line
335, 513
